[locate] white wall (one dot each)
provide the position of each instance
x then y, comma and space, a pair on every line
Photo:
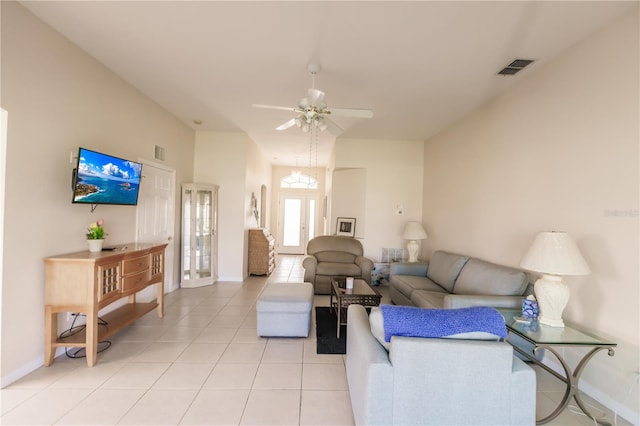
59, 98
220, 159
258, 173
232, 161
349, 199
393, 177
558, 152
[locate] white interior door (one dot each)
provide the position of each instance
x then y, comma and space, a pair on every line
155, 214
297, 219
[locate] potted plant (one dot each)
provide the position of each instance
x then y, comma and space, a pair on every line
95, 235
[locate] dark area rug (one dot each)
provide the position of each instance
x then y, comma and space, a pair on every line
326, 322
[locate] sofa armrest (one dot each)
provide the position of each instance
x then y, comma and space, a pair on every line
523, 394
369, 372
451, 301
418, 269
310, 264
366, 265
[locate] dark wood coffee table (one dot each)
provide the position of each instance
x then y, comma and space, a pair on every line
361, 294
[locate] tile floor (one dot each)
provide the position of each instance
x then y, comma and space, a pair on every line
202, 364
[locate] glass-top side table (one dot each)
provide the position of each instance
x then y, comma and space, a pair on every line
546, 337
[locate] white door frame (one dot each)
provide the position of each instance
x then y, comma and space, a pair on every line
4, 115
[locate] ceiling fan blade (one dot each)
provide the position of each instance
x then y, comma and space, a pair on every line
332, 127
315, 96
274, 107
351, 112
285, 126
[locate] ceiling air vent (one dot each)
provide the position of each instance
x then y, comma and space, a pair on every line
515, 66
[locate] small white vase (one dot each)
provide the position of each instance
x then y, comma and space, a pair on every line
95, 245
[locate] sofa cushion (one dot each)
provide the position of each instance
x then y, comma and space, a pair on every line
428, 299
416, 322
335, 257
331, 243
337, 268
484, 278
407, 284
445, 267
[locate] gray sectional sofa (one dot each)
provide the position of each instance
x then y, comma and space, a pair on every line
454, 281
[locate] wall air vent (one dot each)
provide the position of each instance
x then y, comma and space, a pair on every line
158, 152
515, 66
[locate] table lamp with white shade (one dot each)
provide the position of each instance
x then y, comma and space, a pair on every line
413, 231
553, 254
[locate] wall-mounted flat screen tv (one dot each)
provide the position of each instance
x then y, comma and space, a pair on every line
104, 179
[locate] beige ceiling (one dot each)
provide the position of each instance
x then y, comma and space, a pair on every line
419, 65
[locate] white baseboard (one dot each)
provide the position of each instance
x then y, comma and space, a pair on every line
231, 279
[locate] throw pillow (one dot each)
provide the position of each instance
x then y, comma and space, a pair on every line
377, 326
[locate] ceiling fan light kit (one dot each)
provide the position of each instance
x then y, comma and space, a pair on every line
313, 112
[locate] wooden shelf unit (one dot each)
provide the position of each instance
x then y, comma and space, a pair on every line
86, 282
262, 258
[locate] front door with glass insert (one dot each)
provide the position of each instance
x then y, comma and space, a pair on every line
296, 219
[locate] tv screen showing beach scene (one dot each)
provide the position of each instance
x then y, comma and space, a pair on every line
104, 179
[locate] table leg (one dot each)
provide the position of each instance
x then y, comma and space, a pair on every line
577, 374
339, 309
50, 329
571, 380
331, 299
160, 298
91, 343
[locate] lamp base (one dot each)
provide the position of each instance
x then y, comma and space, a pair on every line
552, 295
551, 322
412, 248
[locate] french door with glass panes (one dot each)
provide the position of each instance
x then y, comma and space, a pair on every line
297, 218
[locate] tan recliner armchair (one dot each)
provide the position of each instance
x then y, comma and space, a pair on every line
331, 255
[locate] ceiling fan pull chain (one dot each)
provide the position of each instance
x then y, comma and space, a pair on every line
315, 170
313, 130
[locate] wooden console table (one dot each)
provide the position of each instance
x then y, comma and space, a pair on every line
86, 282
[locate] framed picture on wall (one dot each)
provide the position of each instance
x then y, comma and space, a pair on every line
346, 226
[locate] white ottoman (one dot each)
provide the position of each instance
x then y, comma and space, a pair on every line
284, 310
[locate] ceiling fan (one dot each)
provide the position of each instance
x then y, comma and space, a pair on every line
313, 111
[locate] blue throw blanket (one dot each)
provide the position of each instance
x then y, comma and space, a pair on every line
418, 322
